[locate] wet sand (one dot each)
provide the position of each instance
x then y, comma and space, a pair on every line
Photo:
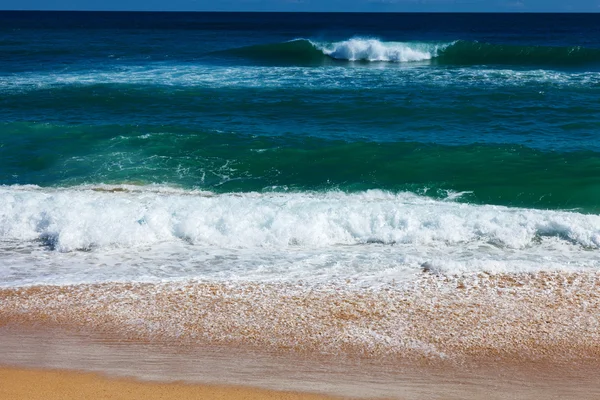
525, 317
114, 368
23, 384
526, 336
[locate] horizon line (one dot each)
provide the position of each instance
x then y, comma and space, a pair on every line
302, 11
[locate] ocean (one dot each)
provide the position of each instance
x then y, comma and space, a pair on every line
270, 147
259, 158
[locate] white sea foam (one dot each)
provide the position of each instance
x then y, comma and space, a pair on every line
148, 233
174, 76
362, 49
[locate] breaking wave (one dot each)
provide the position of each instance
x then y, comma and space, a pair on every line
148, 233
88, 218
458, 52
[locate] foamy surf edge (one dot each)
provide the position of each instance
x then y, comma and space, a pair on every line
526, 317
94, 234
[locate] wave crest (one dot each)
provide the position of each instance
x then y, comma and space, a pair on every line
459, 52
376, 50
355, 49
68, 220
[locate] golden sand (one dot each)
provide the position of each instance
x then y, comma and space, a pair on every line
22, 384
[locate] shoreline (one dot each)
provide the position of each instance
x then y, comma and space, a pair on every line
546, 316
37, 362
528, 335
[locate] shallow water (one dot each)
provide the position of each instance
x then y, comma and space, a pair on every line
341, 377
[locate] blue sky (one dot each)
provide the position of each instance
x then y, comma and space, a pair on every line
308, 5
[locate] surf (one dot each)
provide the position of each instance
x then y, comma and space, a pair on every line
458, 52
106, 233
68, 220
354, 49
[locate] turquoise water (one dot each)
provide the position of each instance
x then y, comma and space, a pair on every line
493, 115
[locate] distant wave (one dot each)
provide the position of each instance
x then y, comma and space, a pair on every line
464, 52
458, 52
355, 49
375, 50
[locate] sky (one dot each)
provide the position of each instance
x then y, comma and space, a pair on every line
310, 5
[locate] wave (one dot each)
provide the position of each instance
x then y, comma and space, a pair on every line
88, 234
458, 52
528, 173
465, 52
87, 217
375, 50
356, 49
125, 233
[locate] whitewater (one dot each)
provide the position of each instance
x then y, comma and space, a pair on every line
361, 49
151, 233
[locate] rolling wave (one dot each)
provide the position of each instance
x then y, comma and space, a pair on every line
375, 50
235, 162
458, 52
307, 51
68, 219
107, 233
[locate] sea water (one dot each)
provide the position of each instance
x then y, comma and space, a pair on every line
319, 148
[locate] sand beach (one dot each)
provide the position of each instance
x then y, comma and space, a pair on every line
527, 335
